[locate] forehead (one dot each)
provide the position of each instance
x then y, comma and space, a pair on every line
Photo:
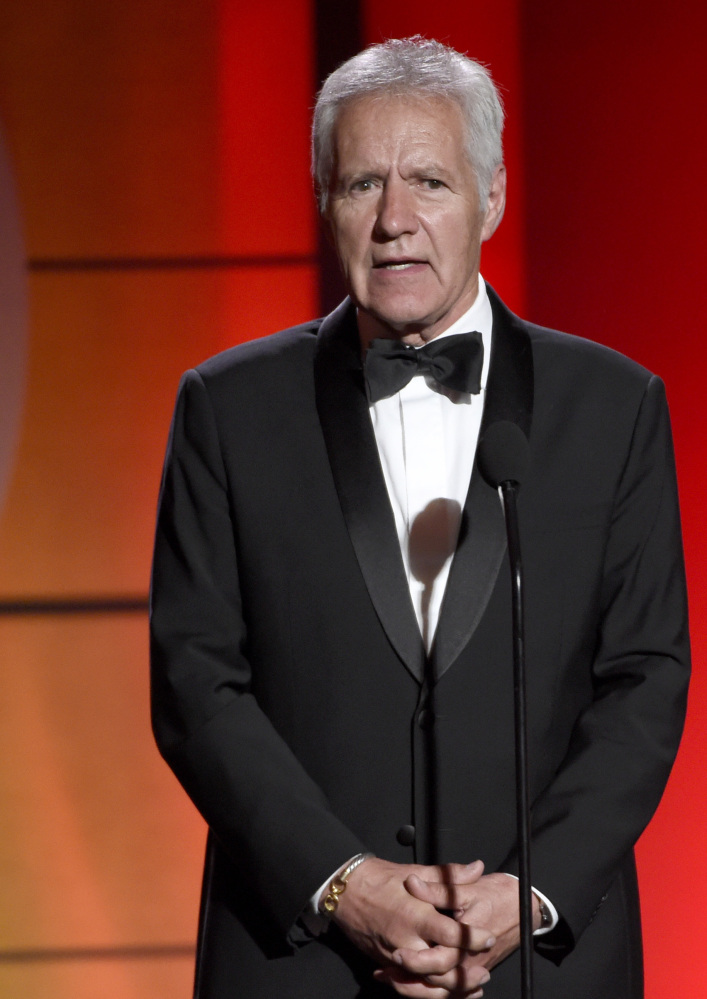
393, 127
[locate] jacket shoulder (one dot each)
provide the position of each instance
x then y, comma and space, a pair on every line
285, 347
570, 354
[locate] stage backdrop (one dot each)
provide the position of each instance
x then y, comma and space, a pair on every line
156, 208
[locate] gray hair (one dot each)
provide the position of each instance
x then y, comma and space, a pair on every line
414, 65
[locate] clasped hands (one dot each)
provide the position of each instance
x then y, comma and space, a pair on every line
434, 931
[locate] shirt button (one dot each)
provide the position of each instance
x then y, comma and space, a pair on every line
406, 835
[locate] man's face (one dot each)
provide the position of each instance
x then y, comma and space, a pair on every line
405, 216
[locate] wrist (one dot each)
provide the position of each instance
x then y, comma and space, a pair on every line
329, 902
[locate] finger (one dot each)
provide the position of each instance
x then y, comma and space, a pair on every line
462, 980
462, 874
419, 988
454, 898
408, 985
435, 892
446, 874
436, 961
430, 960
436, 928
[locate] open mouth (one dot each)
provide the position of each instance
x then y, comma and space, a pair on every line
397, 265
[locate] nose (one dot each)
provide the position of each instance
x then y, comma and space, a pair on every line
396, 210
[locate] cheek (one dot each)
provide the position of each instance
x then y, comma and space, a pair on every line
351, 241
449, 231
462, 239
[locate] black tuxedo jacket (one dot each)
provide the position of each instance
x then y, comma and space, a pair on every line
292, 695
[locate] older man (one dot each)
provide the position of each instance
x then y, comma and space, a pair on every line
331, 599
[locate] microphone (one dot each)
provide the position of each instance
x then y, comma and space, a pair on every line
503, 457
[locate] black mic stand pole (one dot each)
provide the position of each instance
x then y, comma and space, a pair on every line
508, 491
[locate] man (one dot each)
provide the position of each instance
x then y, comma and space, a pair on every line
331, 627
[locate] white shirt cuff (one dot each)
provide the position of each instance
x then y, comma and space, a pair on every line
554, 915
312, 918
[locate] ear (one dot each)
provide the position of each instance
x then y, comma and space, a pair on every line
495, 204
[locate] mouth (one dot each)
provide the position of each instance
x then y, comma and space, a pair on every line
397, 265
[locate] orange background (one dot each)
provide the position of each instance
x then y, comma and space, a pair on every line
160, 159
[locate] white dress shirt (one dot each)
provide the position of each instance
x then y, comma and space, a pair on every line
427, 436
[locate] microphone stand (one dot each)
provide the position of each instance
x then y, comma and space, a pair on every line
508, 491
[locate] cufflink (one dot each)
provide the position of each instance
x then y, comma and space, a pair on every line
545, 914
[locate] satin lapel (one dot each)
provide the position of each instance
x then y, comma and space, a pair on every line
353, 456
482, 539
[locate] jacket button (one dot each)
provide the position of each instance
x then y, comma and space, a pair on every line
425, 719
406, 835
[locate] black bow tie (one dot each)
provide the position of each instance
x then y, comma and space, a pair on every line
453, 361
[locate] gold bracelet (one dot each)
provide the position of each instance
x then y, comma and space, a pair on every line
338, 884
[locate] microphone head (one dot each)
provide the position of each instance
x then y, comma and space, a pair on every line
503, 453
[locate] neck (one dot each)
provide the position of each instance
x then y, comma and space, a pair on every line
414, 334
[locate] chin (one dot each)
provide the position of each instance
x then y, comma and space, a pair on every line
402, 317
401, 325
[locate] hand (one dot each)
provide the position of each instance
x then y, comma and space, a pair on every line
388, 922
491, 901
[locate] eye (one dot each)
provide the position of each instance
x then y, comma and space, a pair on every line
432, 184
362, 186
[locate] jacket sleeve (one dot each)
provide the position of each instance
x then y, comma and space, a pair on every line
623, 744
269, 816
